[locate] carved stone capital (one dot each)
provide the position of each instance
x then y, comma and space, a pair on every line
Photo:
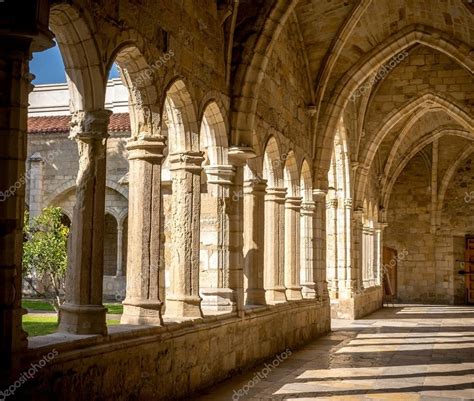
190, 161
146, 147
221, 175
348, 203
331, 204
275, 195
293, 202
90, 125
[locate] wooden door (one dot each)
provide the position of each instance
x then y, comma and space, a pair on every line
389, 271
469, 269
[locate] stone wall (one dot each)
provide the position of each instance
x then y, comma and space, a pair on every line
169, 362
428, 273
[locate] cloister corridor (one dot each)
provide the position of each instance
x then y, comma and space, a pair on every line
406, 353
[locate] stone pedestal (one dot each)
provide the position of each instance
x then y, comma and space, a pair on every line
184, 300
83, 312
217, 295
254, 245
274, 240
145, 274
292, 248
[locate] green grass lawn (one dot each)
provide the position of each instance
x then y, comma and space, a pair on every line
114, 309
37, 305
42, 325
38, 325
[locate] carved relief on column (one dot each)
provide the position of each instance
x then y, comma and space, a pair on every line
274, 240
184, 300
217, 295
82, 311
145, 274
254, 242
309, 262
292, 247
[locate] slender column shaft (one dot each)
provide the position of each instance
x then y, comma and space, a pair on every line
216, 293
119, 269
292, 248
83, 312
254, 245
36, 185
378, 236
274, 239
332, 248
357, 248
145, 275
309, 262
320, 245
184, 300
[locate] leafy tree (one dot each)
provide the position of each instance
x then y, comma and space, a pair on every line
45, 255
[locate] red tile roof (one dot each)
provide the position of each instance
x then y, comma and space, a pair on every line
119, 122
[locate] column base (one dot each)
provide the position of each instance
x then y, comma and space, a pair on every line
83, 319
218, 299
144, 312
293, 293
276, 295
308, 291
255, 297
183, 307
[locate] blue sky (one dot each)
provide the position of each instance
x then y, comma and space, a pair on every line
48, 67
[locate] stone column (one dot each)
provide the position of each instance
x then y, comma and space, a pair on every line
184, 300
82, 311
119, 270
346, 279
357, 244
378, 252
319, 229
21, 32
292, 247
145, 275
309, 262
332, 248
218, 295
254, 242
370, 256
36, 185
274, 249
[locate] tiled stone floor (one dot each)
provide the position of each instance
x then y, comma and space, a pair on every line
403, 353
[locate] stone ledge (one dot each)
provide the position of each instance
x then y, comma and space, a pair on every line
174, 360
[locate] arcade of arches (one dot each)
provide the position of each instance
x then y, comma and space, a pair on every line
287, 161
